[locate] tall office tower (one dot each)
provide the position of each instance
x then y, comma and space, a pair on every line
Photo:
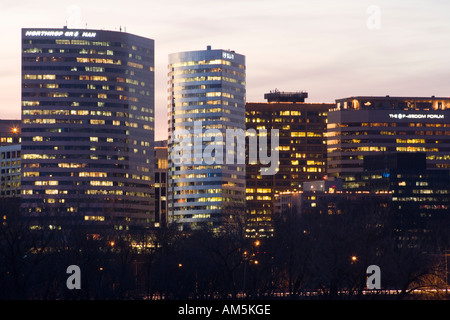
302, 153
206, 97
88, 128
361, 126
161, 170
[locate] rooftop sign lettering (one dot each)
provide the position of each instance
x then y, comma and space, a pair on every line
415, 116
60, 33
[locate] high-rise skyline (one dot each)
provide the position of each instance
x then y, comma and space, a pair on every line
88, 127
206, 92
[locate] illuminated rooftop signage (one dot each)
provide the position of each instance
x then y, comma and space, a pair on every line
60, 33
227, 55
416, 116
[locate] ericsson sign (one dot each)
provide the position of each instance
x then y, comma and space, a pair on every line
60, 33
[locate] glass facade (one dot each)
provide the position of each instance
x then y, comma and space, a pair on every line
208, 88
88, 126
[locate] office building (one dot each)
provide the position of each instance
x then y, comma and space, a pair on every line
88, 128
361, 126
206, 97
161, 172
10, 132
420, 196
302, 153
10, 159
330, 202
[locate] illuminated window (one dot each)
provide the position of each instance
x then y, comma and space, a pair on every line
96, 121
94, 218
101, 183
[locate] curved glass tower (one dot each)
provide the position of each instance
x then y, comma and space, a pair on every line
88, 127
206, 97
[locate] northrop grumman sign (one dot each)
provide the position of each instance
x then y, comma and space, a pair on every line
416, 116
60, 33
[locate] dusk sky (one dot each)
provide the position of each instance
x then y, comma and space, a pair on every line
332, 49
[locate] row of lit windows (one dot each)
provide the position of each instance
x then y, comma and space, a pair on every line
64, 112
407, 141
91, 192
91, 121
203, 110
84, 78
416, 149
287, 113
81, 51
390, 133
438, 157
215, 117
258, 198
82, 86
206, 70
7, 140
35, 156
78, 95
88, 43
203, 62
306, 134
186, 208
93, 175
311, 120
206, 78
203, 95
99, 60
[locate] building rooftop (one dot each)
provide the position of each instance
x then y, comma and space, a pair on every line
431, 103
278, 96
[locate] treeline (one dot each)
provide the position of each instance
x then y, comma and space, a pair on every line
311, 256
